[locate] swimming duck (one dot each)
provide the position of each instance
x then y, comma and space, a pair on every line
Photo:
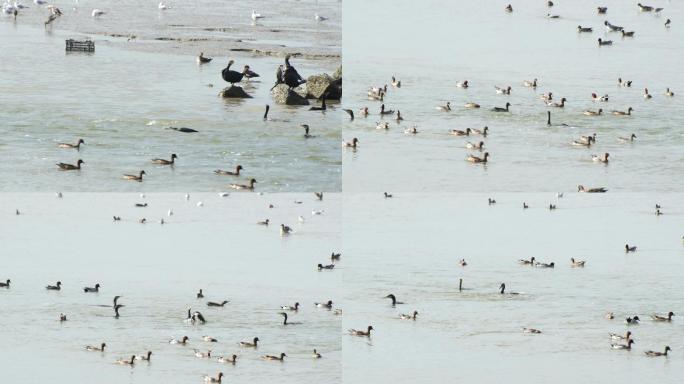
382, 125
627, 346
584, 29
200, 294
76, 146
476, 159
233, 77
182, 341
352, 144
610, 316
316, 355
626, 83
615, 336
600, 159
231, 360
55, 287
645, 8
558, 105
409, 317
71, 167
593, 113
356, 332
577, 263
272, 357
96, 288
502, 287
630, 249
490, 201
202, 355
94, 348
327, 304
285, 230
249, 186
130, 362
530, 84
183, 129
197, 316
335, 256
462, 263
203, 59
646, 94
669, 93
500, 109
411, 131
546, 97
602, 10
5, 284
484, 131
294, 307
627, 34
478, 146
218, 378
399, 118
458, 132
509, 8
667, 23
462, 84
388, 195
444, 108
215, 304
545, 265
210, 339
396, 83
238, 168
503, 91
247, 344
145, 357
602, 42
329, 266
595, 97
632, 320
531, 330
525, 206
550, 16
581, 188
166, 162
471, 105
62, 318
662, 318
394, 299
612, 28
263, 222
654, 353
138, 177
627, 139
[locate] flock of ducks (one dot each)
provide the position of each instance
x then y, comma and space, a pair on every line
478, 153
196, 318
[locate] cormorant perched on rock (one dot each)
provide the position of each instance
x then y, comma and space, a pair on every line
234, 76
290, 76
279, 76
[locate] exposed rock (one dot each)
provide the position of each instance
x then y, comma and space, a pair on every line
324, 84
282, 94
338, 73
234, 91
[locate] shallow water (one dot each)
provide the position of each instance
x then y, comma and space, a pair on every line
410, 246
120, 100
158, 270
432, 47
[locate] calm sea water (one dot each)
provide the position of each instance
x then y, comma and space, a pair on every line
158, 270
433, 46
410, 246
121, 99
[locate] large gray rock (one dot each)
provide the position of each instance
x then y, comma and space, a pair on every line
282, 94
324, 84
234, 92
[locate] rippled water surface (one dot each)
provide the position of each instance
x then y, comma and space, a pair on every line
433, 46
121, 98
158, 269
410, 245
